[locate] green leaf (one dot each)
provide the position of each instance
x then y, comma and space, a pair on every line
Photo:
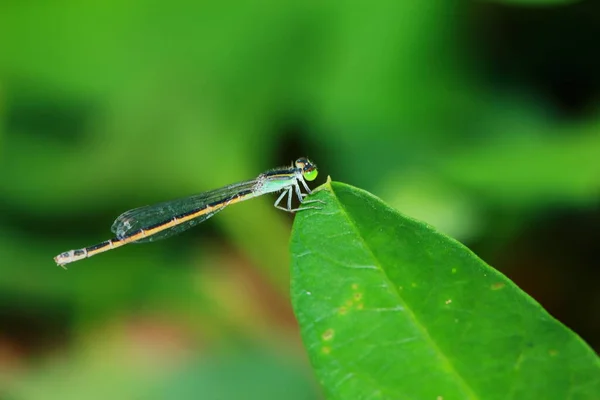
391, 309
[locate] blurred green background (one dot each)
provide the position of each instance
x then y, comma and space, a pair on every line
480, 118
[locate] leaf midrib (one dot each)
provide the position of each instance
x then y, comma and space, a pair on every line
407, 309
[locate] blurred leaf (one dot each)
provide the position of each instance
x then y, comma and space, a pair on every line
250, 375
527, 166
421, 194
388, 92
390, 308
155, 362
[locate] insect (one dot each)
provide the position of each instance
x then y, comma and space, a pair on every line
159, 221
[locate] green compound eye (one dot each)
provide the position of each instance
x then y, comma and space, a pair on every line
311, 175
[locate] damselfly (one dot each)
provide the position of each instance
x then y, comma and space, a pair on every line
159, 221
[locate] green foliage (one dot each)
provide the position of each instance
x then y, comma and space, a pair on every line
389, 308
103, 374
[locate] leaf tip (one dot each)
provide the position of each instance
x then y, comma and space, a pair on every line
324, 186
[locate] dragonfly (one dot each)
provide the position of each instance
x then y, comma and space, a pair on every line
163, 220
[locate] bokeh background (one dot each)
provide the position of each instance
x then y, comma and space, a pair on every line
480, 118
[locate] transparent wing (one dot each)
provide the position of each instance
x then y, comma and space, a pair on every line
176, 229
150, 216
